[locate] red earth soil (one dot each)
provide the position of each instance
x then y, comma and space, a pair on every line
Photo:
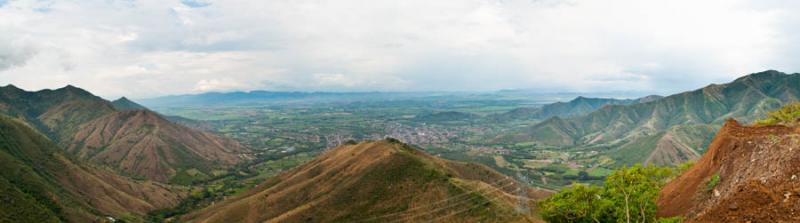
759, 172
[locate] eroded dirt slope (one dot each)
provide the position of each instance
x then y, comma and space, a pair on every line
759, 172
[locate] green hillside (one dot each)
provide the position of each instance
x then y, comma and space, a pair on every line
56, 113
40, 184
576, 107
688, 119
27, 186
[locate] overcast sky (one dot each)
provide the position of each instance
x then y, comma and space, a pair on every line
145, 48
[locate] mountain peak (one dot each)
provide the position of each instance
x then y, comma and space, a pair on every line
125, 104
11, 89
74, 90
11, 86
764, 75
580, 99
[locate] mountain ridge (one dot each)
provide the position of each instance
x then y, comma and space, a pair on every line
579, 106
691, 114
87, 125
377, 181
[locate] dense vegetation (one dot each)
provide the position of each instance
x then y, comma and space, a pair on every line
628, 195
787, 115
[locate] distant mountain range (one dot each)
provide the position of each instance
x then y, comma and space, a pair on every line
121, 134
576, 107
381, 181
668, 130
256, 97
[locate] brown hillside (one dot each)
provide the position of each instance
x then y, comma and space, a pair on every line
56, 113
116, 195
142, 143
138, 143
380, 182
38, 180
758, 168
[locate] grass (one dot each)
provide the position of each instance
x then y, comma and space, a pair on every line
636, 151
600, 172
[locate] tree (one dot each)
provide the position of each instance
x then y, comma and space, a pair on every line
629, 195
634, 191
579, 203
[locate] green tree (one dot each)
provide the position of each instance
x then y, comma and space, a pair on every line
628, 195
634, 192
579, 203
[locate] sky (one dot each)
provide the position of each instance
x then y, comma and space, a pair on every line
148, 48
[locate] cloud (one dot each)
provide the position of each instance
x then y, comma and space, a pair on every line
146, 48
217, 85
14, 53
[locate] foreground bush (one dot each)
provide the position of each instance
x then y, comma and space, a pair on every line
788, 115
628, 195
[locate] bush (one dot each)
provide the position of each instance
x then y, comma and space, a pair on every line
393, 140
787, 115
683, 167
712, 182
577, 203
628, 195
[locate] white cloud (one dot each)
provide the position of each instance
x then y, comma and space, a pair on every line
145, 48
217, 85
14, 52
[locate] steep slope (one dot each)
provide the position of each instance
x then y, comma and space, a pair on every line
125, 104
56, 113
376, 182
142, 143
576, 107
746, 98
122, 134
757, 168
39, 184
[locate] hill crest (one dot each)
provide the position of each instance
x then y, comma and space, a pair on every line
378, 181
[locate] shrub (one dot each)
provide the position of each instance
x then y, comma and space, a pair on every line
712, 182
683, 167
577, 203
393, 140
787, 115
